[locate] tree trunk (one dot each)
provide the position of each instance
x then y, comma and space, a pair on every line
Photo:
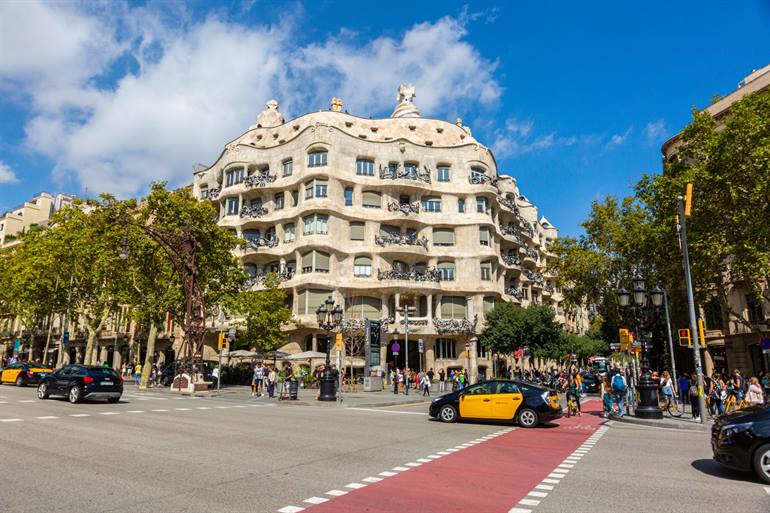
87, 358
47, 340
148, 359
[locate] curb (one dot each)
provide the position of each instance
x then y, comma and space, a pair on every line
627, 419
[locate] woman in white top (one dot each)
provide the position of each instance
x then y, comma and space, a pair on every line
755, 395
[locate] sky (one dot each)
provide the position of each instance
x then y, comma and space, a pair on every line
574, 98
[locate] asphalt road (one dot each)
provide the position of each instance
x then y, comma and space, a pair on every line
159, 453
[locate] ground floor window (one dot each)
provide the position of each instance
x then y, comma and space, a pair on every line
446, 349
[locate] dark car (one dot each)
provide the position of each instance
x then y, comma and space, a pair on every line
78, 382
504, 400
741, 440
591, 383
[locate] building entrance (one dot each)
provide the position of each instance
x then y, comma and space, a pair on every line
400, 360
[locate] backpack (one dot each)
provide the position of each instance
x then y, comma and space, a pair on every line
617, 383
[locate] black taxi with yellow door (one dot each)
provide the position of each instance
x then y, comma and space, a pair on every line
501, 400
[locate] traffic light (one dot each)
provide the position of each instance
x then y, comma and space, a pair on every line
625, 339
338, 341
702, 332
688, 200
684, 338
221, 340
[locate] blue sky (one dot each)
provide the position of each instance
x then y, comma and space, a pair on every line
575, 99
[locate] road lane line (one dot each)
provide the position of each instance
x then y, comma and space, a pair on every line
202, 408
400, 469
183, 409
316, 500
46, 417
354, 486
544, 487
529, 502
159, 410
538, 494
79, 415
336, 493
371, 479
135, 411
552, 481
423, 460
412, 464
290, 509
519, 510
11, 420
27, 401
388, 473
108, 413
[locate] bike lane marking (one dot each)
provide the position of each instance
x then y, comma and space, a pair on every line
508, 469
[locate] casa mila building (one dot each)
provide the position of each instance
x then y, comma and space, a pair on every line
383, 215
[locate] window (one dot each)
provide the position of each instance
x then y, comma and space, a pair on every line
446, 349
234, 176
316, 189
453, 307
273, 267
315, 261
250, 269
348, 196
482, 204
289, 232
232, 206
309, 300
270, 233
461, 205
371, 199
481, 351
363, 307
484, 236
288, 167
446, 270
387, 230
712, 312
431, 204
443, 237
486, 270
411, 170
442, 174
754, 307
506, 387
478, 172
356, 231
251, 234
315, 224
489, 304
256, 203
362, 267
294, 198
365, 167
278, 201
524, 292
317, 159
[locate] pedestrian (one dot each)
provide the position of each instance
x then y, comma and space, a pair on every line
394, 377
425, 385
766, 385
606, 391
739, 385
693, 393
402, 380
123, 368
683, 383
441, 380
272, 376
573, 391
619, 385
755, 395
137, 373
215, 377
431, 374
717, 394
667, 388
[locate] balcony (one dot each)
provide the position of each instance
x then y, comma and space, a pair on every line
210, 194
409, 239
253, 212
259, 180
262, 242
516, 292
481, 179
466, 326
532, 253
548, 289
512, 260
526, 228
534, 276
404, 208
512, 232
509, 204
261, 278
412, 173
411, 275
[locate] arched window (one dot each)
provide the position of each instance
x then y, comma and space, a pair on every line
362, 266
317, 158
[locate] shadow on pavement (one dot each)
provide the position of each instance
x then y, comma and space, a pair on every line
715, 469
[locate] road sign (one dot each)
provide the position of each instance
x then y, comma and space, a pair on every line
615, 346
420, 345
467, 344
625, 339
395, 347
66, 338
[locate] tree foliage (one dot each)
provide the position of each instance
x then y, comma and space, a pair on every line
264, 313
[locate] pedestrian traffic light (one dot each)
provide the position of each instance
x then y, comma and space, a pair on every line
221, 340
702, 332
625, 339
688, 200
684, 338
338, 341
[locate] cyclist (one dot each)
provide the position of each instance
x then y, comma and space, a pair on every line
606, 397
573, 390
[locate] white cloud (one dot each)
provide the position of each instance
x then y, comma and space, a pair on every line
654, 131
618, 139
6, 173
196, 84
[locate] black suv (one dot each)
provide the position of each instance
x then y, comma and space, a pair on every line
78, 382
741, 440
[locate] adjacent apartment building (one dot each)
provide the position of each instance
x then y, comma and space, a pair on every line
34, 212
730, 343
379, 215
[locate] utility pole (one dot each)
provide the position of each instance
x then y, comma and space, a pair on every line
406, 348
691, 305
670, 343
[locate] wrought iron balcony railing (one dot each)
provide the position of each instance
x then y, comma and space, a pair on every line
509, 203
262, 242
409, 239
398, 172
404, 208
533, 276
259, 180
411, 275
516, 292
467, 326
533, 254
260, 278
254, 212
548, 288
210, 193
526, 228
482, 179
512, 260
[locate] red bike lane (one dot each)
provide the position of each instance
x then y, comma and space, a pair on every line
490, 477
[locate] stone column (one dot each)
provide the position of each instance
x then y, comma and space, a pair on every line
473, 372
117, 358
430, 308
315, 342
79, 354
103, 354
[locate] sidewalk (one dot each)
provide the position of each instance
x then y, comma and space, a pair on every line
305, 397
684, 422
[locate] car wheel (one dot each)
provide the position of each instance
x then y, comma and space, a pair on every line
447, 413
74, 394
762, 463
113, 399
20, 382
528, 418
42, 391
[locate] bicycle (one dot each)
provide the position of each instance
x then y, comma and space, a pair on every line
673, 408
571, 408
732, 404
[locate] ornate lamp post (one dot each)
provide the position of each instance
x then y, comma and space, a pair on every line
329, 319
645, 308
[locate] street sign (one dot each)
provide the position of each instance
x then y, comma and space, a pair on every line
66, 337
420, 345
467, 344
625, 339
16, 345
615, 346
395, 347
231, 333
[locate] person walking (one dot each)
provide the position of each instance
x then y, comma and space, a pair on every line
667, 388
755, 395
717, 394
766, 385
441, 380
739, 385
394, 377
619, 385
425, 385
137, 373
215, 377
683, 383
693, 393
606, 391
272, 377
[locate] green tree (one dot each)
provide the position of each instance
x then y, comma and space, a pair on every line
264, 313
509, 327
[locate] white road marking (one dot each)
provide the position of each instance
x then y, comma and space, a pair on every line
336, 493
552, 481
3, 402
27, 401
316, 500
354, 486
538, 494
222, 407
371, 479
183, 409
451, 449
433, 456
290, 509
240, 406
529, 502
108, 413
544, 487
46, 417
412, 464
557, 475
565, 465
442, 453
159, 410
202, 408
388, 473
79, 415
11, 420
423, 460
400, 469
519, 510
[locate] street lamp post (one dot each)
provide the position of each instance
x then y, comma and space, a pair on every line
644, 314
329, 318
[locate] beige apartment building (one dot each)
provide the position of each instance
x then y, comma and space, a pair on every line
731, 343
379, 215
35, 212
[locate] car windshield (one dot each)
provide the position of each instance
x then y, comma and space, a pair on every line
35, 364
102, 372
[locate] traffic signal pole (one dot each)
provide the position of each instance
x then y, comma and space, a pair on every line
691, 308
670, 342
